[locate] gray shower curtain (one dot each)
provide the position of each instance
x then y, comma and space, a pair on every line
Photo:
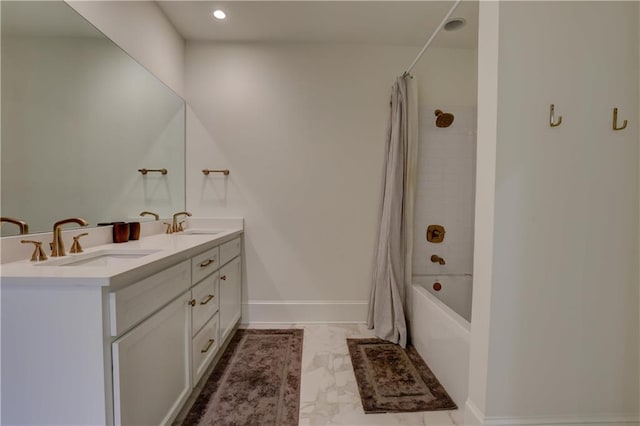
394, 250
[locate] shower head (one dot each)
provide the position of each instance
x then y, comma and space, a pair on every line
443, 119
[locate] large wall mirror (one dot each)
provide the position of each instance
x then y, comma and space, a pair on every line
80, 117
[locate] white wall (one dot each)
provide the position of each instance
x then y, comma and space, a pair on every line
559, 306
142, 30
488, 40
302, 129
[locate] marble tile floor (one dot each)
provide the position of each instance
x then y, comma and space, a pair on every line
329, 393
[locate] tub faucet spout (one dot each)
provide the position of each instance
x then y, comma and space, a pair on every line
437, 259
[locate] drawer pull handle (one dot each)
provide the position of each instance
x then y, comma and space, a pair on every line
192, 302
223, 277
207, 299
207, 263
208, 346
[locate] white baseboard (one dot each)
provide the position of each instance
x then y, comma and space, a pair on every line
474, 416
562, 421
304, 311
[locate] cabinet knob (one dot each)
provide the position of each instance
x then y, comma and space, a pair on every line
192, 302
223, 277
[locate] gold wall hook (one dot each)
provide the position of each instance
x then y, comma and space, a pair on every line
615, 121
552, 117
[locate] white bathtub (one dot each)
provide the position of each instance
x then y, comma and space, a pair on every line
441, 337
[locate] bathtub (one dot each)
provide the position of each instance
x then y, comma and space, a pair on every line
441, 337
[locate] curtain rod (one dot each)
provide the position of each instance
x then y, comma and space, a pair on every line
433, 36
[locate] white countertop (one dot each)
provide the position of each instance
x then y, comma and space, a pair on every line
172, 249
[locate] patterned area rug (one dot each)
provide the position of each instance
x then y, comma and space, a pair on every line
392, 379
256, 381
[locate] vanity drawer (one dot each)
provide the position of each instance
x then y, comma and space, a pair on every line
204, 302
134, 303
204, 347
229, 250
204, 264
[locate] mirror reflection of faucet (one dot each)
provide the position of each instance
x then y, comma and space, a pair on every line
22, 225
437, 259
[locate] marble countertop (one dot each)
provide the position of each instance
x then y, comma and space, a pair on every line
168, 250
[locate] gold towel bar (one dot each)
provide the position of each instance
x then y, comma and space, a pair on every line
145, 171
223, 171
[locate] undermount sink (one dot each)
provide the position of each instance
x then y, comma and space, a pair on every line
101, 258
196, 231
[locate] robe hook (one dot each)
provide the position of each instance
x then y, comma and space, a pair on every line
552, 117
615, 121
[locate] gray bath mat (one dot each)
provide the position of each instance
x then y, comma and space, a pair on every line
256, 382
392, 379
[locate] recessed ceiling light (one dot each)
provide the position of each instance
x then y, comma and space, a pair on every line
455, 24
219, 14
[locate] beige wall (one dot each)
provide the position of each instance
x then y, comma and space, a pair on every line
302, 128
144, 32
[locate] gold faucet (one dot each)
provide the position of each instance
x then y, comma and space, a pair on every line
145, 213
57, 246
24, 228
437, 259
175, 226
38, 253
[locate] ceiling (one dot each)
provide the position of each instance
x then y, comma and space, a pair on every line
369, 22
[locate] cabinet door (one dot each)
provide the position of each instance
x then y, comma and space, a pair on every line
230, 296
151, 367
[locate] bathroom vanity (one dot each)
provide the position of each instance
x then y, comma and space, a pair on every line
119, 334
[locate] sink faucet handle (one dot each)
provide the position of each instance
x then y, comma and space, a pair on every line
76, 247
180, 227
168, 231
38, 253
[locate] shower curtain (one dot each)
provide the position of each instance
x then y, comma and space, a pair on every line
394, 250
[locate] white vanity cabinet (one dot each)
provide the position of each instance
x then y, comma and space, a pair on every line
127, 350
